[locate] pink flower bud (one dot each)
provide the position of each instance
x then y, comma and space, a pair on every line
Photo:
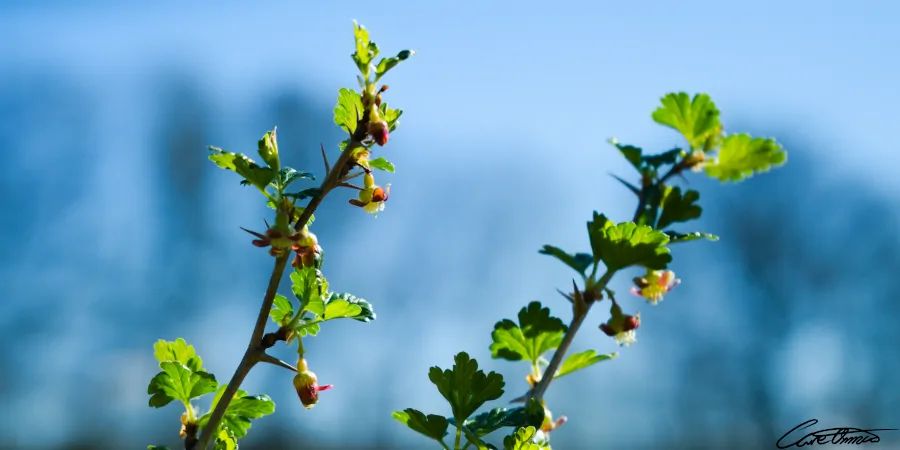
379, 131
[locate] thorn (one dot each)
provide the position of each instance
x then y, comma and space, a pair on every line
259, 235
352, 176
265, 357
630, 186
351, 186
567, 296
325, 159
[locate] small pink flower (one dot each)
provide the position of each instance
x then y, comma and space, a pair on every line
654, 285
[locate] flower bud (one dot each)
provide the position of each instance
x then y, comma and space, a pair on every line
621, 326
307, 386
379, 131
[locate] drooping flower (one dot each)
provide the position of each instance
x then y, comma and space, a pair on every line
306, 247
620, 326
549, 424
307, 385
372, 197
379, 131
654, 285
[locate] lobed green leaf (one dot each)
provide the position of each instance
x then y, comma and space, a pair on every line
627, 244
579, 261
432, 425
696, 118
466, 387
536, 333
242, 165
678, 207
348, 110
742, 156
381, 163
578, 361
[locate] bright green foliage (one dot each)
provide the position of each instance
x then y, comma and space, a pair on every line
466, 387
349, 306
381, 163
678, 207
696, 118
241, 411
282, 310
268, 150
432, 425
311, 289
348, 110
742, 155
536, 333
487, 422
387, 64
524, 438
579, 261
676, 237
578, 361
391, 116
157, 447
366, 50
626, 244
226, 440
243, 166
288, 175
182, 377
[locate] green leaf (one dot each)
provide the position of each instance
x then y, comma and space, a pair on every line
282, 310
391, 116
381, 164
627, 244
243, 166
179, 351
432, 425
666, 157
226, 440
524, 438
635, 156
630, 152
288, 175
387, 64
466, 387
676, 237
157, 447
348, 110
696, 118
579, 261
240, 413
741, 156
268, 149
678, 207
306, 193
366, 50
311, 289
488, 422
178, 382
536, 333
349, 306
578, 361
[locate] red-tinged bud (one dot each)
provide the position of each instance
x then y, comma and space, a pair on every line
632, 323
379, 131
260, 242
307, 386
608, 330
379, 194
621, 326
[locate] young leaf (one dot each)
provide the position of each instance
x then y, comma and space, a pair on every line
485, 423
306, 193
178, 382
240, 413
536, 333
627, 244
179, 351
579, 261
348, 110
157, 447
349, 306
578, 361
741, 156
268, 149
678, 207
387, 64
381, 164
366, 50
432, 425
630, 152
524, 438
391, 116
243, 166
697, 119
311, 289
466, 387
676, 237
226, 440
282, 310
288, 175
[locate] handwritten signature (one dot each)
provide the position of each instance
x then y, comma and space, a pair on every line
841, 435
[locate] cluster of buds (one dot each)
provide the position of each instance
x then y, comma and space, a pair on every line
695, 161
303, 243
307, 385
371, 197
620, 326
378, 128
188, 430
654, 285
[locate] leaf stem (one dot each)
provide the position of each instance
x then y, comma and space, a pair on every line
255, 350
458, 435
578, 317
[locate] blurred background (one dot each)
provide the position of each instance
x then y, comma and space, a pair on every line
117, 231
